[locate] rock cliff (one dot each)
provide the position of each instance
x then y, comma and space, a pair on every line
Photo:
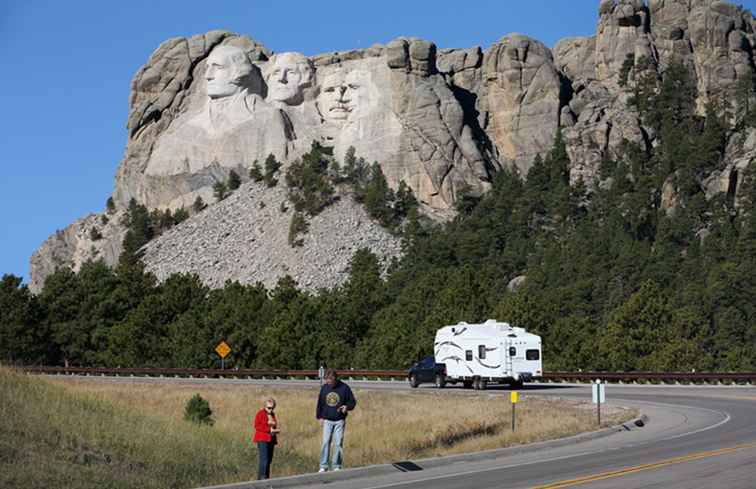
441, 120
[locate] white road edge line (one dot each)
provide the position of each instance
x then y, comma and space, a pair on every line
480, 471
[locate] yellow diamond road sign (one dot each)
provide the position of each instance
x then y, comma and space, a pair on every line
223, 349
513, 397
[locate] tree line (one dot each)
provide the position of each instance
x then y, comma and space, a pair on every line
614, 280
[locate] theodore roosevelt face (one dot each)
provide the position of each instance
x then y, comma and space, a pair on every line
227, 68
343, 95
288, 76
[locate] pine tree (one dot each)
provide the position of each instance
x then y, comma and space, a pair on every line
255, 172
180, 215
234, 181
110, 205
220, 191
271, 168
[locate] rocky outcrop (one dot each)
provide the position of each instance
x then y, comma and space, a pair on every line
245, 238
441, 120
523, 97
94, 237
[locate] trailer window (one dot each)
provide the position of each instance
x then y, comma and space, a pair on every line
532, 354
468, 355
512, 351
482, 352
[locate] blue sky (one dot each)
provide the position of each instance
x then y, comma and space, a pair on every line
67, 69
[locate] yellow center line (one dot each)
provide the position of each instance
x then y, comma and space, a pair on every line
639, 468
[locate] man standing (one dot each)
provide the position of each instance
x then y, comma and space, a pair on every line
334, 402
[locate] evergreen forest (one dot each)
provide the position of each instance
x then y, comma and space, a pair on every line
612, 279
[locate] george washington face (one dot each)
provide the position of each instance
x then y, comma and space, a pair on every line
228, 68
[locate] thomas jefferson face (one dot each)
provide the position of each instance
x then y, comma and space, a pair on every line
227, 68
289, 75
343, 94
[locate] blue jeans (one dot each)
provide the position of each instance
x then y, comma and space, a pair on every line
265, 454
332, 430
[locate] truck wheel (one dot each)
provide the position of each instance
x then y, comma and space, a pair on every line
517, 384
413, 381
440, 381
467, 384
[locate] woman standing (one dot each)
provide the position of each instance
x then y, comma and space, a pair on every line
266, 431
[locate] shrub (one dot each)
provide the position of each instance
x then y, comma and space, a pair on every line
271, 168
198, 205
180, 215
255, 173
298, 225
197, 410
234, 180
220, 191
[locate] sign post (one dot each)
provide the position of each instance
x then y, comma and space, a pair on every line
513, 397
223, 350
599, 396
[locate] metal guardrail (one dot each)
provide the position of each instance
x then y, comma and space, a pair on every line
212, 373
624, 377
658, 377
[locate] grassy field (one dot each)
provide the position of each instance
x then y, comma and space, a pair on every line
83, 433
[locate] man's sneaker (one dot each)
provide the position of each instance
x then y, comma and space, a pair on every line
322, 470
336, 469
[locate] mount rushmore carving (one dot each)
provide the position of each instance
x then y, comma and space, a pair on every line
239, 104
441, 120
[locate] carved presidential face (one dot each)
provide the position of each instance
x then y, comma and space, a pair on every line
228, 69
288, 76
344, 95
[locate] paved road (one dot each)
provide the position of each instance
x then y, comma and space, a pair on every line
696, 437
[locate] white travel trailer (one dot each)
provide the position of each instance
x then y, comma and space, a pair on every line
476, 354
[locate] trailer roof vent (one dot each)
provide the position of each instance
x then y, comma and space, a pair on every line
512, 335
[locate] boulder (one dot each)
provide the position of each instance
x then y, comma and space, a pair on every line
523, 93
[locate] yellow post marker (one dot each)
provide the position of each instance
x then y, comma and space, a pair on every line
223, 350
514, 398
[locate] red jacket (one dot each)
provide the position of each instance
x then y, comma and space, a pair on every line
262, 429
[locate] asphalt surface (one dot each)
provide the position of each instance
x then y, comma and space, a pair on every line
695, 437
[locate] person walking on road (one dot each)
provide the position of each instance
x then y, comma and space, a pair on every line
334, 403
266, 437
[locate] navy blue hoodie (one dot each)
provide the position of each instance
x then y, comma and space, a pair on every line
332, 398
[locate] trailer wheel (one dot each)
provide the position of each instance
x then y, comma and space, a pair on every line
517, 384
482, 384
413, 381
476, 383
467, 384
440, 381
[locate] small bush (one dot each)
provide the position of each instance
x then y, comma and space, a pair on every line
220, 191
271, 168
255, 173
234, 180
197, 410
198, 205
298, 225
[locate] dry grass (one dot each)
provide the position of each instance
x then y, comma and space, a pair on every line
385, 427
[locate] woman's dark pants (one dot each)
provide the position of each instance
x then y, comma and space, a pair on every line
265, 456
